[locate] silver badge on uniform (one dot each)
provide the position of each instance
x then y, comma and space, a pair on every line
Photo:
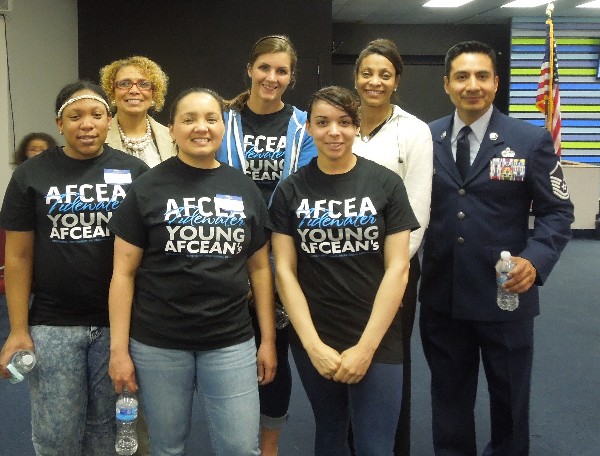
494, 136
559, 186
443, 135
508, 153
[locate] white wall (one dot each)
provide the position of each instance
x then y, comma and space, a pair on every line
41, 42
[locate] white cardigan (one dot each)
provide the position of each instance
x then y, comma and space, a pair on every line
404, 145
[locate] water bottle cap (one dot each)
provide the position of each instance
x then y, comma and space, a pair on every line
505, 255
28, 359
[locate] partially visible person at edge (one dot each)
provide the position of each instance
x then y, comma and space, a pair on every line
399, 141
31, 145
190, 243
476, 213
266, 138
136, 86
58, 246
340, 240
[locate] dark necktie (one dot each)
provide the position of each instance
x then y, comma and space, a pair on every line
463, 151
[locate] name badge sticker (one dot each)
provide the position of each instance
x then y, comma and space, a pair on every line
117, 176
229, 204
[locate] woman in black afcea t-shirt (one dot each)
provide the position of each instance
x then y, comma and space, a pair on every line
189, 240
56, 211
340, 239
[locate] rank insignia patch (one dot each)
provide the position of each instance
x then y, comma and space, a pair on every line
559, 186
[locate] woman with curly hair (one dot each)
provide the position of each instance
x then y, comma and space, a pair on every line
136, 85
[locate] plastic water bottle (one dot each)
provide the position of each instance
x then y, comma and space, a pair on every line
21, 363
506, 300
126, 414
281, 317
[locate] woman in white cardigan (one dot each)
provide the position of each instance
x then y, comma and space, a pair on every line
399, 141
135, 86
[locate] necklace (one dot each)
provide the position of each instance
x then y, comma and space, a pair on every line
136, 145
367, 138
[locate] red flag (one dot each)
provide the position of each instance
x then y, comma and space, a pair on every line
548, 93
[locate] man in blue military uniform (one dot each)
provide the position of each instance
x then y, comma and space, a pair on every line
487, 179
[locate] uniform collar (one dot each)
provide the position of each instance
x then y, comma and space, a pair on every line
479, 127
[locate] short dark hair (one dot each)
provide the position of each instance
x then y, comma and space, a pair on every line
337, 96
186, 92
470, 47
385, 48
68, 91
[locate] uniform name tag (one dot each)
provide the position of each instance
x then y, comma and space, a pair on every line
509, 169
117, 176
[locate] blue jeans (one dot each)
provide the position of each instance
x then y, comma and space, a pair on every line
72, 396
373, 405
226, 383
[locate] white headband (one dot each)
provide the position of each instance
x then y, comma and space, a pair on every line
82, 97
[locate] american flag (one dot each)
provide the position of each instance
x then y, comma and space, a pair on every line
546, 103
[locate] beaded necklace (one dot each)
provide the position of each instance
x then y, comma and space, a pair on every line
136, 145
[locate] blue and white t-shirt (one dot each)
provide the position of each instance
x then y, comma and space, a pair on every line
198, 228
68, 204
339, 224
264, 145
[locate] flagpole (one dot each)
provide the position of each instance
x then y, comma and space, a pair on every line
550, 102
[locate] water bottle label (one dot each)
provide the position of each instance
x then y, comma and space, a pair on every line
17, 377
126, 414
501, 278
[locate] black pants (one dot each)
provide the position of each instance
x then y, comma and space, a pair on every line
275, 396
453, 349
407, 312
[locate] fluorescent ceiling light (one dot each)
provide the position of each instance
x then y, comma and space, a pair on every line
446, 3
525, 3
594, 4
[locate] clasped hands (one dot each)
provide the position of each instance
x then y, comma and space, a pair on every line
349, 367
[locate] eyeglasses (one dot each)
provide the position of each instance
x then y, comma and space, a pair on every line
127, 84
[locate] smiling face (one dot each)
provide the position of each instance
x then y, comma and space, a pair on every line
471, 85
271, 74
198, 129
333, 132
84, 125
132, 101
376, 80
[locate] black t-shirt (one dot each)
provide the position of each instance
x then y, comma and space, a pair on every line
264, 145
68, 203
339, 224
197, 227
